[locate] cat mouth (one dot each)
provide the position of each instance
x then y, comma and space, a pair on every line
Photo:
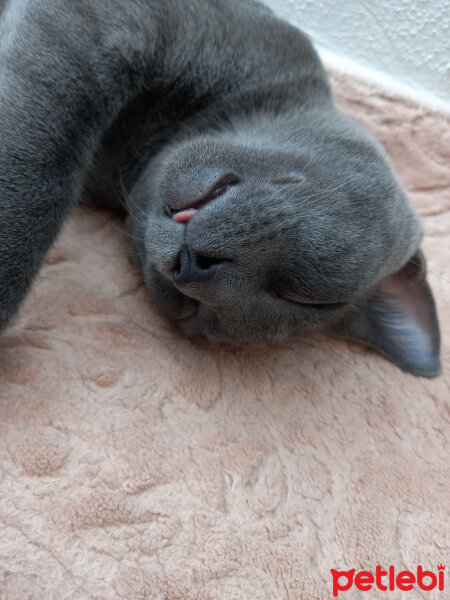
185, 213
184, 216
188, 209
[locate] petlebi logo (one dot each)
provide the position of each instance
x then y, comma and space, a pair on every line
388, 580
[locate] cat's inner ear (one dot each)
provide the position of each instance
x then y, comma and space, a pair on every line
399, 320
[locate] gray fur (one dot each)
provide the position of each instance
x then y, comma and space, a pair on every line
147, 103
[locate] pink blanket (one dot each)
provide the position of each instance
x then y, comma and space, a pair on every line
135, 464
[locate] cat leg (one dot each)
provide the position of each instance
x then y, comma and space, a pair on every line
65, 73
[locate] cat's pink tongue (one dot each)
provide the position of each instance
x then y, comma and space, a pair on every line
184, 216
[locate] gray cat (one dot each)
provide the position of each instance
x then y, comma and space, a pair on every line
259, 211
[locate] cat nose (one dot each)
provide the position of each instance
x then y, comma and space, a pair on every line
192, 267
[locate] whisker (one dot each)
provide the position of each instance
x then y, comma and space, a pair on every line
111, 270
129, 201
109, 255
109, 222
429, 271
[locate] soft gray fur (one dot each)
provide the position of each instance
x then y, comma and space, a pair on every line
152, 102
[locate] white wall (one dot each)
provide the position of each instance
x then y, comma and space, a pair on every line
407, 40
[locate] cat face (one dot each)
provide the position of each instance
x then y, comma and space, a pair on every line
246, 237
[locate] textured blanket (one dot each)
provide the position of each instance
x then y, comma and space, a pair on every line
135, 464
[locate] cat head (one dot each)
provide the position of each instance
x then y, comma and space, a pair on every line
296, 229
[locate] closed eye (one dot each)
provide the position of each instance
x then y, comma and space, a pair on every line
317, 305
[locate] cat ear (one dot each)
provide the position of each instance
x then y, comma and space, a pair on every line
399, 320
